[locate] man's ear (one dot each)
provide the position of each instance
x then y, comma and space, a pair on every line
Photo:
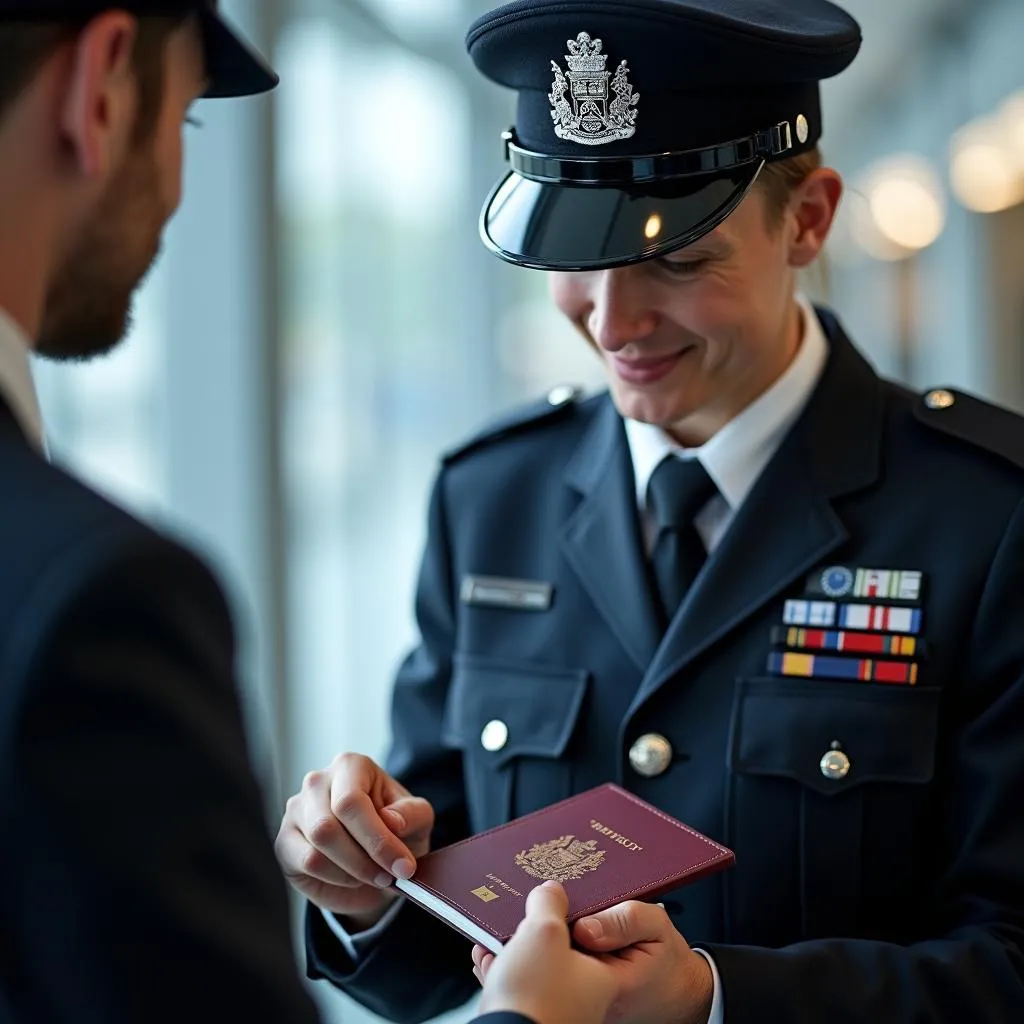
97, 113
812, 212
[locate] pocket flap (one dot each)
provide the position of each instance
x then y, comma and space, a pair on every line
785, 727
532, 709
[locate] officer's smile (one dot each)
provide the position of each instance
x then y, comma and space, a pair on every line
648, 369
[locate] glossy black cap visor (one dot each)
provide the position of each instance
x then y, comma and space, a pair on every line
585, 227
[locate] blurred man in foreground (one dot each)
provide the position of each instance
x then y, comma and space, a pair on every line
137, 880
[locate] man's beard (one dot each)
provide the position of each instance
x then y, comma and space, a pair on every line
88, 307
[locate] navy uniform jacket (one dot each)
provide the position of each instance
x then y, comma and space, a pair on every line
137, 877
894, 892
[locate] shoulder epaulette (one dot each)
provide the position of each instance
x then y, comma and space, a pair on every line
961, 415
558, 402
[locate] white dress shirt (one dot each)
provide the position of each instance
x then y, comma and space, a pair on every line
734, 459
16, 384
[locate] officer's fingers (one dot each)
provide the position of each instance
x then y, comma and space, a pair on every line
361, 773
337, 899
329, 897
300, 860
388, 790
309, 834
354, 809
314, 796
410, 817
351, 897
329, 835
623, 925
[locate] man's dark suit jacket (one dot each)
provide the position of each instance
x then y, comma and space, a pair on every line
137, 877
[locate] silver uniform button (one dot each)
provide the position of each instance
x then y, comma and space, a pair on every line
835, 765
650, 755
495, 736
562, 394
940, 399
803, 129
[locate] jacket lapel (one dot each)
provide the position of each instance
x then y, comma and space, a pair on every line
601, 540
788, 524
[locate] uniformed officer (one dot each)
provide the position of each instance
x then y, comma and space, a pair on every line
764, 589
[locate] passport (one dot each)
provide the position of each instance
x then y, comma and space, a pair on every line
605, 846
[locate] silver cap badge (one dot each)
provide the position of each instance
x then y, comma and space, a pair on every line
591, 116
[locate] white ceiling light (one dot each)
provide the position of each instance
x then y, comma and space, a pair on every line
904, 208
984, 171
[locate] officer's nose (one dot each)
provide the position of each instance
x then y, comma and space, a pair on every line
619, 312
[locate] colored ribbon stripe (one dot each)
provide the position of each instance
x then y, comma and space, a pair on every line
843, 640
867, 670
877, 617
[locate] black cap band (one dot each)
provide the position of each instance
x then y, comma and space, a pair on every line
771, 144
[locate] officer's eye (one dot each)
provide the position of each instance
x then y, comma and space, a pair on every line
678, 268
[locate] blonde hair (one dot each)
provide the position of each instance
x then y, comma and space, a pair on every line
778, 181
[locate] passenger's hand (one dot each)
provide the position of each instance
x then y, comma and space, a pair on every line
539, 975
659, 979
348, 833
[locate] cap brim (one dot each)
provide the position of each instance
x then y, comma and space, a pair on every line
234, 68
582, 227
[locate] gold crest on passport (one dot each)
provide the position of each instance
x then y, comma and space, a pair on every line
561, 860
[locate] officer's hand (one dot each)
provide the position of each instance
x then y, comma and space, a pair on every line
347, 833
538, 974
659, 979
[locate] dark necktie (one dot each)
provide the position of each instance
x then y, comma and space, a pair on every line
677, 491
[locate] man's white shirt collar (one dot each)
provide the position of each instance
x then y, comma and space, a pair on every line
16, 385
737, 455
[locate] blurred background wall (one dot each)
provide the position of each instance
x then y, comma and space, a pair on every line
324, 320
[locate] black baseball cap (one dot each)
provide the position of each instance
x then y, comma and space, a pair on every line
233, 66
642, 124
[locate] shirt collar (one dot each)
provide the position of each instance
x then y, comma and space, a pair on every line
737, 455
16, 384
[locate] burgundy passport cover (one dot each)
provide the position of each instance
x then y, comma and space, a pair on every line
604, 845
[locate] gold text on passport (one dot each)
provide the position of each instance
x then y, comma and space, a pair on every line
614, 836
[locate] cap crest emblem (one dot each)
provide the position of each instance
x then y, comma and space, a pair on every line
591, 115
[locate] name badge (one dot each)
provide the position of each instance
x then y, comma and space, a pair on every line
498, 592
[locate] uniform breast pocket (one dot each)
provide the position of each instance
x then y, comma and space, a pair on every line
828, 803
513, 722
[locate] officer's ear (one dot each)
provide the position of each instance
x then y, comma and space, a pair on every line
811, 214
97, 109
